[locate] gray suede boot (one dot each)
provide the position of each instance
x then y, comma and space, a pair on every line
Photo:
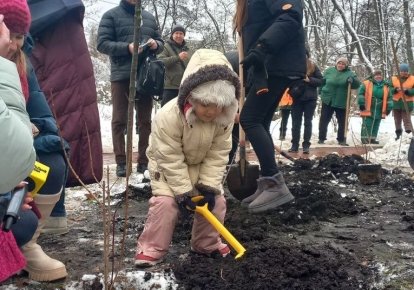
274, 194
245, 202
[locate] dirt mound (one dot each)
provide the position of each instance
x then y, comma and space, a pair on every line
336, 234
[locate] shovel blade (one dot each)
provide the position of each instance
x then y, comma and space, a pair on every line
242, 185
411, 153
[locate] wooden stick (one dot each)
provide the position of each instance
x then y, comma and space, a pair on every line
348, 104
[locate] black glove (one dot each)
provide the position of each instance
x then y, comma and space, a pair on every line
350, 80
209, 195
255, 57
407, 92
185, 204
362, 108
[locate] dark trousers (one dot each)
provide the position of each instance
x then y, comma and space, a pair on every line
302, 110
120, 92
25, 227
168, 95
56, 180
285, 118
401, 116
255, 118
234, 142
326, 116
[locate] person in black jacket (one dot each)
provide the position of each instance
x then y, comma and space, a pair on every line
304, 106
274, 49
115, 38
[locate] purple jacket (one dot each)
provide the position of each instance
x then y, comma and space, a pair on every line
64, 69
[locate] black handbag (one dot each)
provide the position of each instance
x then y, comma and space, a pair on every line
151, 74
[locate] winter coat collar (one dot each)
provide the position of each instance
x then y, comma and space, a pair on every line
130, 8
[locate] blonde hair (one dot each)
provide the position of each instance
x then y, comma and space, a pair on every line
240, 17
310, 66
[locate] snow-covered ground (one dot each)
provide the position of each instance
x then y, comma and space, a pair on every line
392, 154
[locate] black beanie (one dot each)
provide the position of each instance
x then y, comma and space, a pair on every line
178, 28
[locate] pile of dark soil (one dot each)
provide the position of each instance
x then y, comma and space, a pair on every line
336, 234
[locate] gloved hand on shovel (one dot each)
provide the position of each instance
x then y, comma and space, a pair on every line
185, 204
255, 58
209, 195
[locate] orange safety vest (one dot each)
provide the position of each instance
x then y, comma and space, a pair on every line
368, 99
286, 99
407, 84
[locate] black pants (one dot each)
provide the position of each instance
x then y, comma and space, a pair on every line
285, 118
326, 116
255, 118
234, 142
302, 110
168, 95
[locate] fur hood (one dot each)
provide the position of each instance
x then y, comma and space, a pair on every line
207, 65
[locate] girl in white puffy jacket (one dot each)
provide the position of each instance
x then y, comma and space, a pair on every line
188, 152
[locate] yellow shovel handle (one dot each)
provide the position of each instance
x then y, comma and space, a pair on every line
203, 210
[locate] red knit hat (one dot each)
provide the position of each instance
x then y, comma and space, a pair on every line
16, 15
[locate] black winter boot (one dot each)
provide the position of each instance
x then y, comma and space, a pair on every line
398, 133
294, 148
306, 147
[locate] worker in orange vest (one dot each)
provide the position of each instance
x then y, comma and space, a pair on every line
285, 106
375, 103
403, 92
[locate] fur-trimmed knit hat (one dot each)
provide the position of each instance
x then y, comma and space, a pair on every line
16, 15
209, 79
342, 59
176, 28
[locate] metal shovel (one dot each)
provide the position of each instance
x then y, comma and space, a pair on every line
242, 176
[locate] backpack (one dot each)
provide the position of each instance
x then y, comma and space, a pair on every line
150, 79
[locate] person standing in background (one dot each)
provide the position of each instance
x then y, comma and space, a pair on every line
175, 56
403, 88
375, 103
285, 106
115, 38
304, 106
274, 48
334, 95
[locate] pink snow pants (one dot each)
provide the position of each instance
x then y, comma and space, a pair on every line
159, 227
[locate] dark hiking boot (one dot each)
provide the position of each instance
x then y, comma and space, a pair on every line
294, 148
121, 170
260, 183
306, 147
398, 133
275, 194
141, 168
